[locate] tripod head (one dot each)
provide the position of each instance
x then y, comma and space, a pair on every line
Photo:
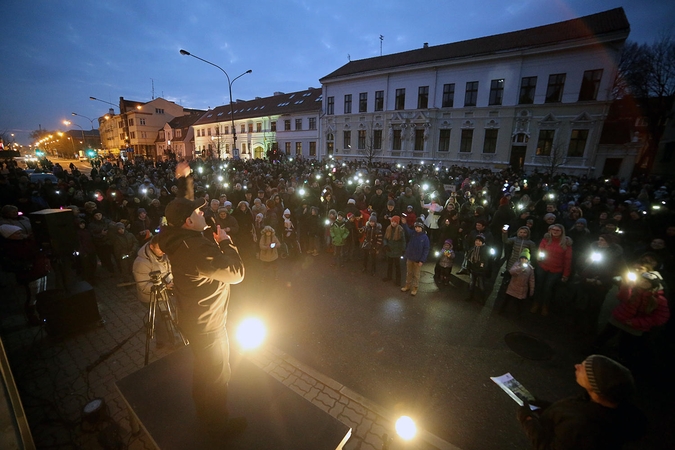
155, 278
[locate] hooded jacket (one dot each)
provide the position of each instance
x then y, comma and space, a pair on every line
146, 261
557, 254
518, 245
203, 272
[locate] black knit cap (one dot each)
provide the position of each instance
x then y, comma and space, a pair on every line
609, 379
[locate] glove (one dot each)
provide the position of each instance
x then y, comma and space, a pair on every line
524, 413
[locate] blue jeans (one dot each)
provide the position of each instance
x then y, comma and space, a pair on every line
545, 285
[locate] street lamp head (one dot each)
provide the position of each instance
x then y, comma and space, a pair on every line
73, 114
249, 71
184, 52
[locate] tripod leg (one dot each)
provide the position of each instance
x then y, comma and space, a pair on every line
150, 325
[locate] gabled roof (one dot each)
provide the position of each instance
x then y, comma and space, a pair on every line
278, 104
601, 23
187, 120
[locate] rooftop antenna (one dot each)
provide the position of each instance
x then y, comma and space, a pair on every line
349, 57
381, 39
153, 88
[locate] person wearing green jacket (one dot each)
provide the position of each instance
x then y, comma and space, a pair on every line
338, 236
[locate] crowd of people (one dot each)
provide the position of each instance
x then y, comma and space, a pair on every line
549, 244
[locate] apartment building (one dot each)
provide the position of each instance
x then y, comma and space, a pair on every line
286, 122
533, 99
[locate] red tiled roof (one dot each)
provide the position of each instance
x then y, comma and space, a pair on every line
605, 22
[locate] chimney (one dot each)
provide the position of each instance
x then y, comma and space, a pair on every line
426, 45
278, 93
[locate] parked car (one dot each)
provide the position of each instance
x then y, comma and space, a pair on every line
41, 177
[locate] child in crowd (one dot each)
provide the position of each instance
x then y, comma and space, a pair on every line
478, 264
338, 236
521, 285
444, 264
269, 250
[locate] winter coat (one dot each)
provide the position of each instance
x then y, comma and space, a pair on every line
522, 281
146, 261
639, 310
124, 245
394, 242
556, 259
203, 271
267, 252
339, 233
578, 423
417, 249
228, 222
372, 237
518, 245
478, 260
603, 270
99, 231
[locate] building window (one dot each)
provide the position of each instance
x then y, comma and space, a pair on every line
348, 103
250, 128
144, 135
377, 139
226, 130
590, 85
120, 125
467, 140
159, 110
141, 121
243, 129
329, 147
545, 142
312, 148
312, 123
287, 146
496, 91
527, 88
396, 142
448, 95
298, 124
298, 148
131, 122
490, 142
133, 135
554, 91
471, 94
161, 135
347, 139
227, 148
363, 102
362, 140
179, 133
287, 125
444, 140
400, 99
273, 126
243, 147
330, 106
419, 140
258, 127
577, 143
209, 131
379, 100
423, 97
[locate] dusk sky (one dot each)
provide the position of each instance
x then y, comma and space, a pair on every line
56, 54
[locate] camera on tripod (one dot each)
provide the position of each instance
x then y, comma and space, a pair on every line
158, 280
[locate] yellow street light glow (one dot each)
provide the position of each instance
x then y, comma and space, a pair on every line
405, 428
251, 333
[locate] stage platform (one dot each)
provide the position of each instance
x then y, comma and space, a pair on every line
159, 401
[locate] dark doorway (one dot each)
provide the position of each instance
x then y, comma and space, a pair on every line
517, 157
612, 167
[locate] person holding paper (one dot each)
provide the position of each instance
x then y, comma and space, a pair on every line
603, 417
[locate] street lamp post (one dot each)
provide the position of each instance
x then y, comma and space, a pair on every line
125, 126
229, 86
91, 121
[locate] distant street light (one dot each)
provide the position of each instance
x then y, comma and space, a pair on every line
91, 121
229, 86
68, 123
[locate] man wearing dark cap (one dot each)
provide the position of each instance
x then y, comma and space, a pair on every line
603, 417
203, 271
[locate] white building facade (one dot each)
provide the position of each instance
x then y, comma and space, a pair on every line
531, 99
288, 123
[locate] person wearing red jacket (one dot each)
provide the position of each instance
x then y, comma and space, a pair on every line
642, 306
555, 264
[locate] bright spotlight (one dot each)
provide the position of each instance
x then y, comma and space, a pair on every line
251, 333
405, 428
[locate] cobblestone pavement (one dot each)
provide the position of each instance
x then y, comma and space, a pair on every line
57, 377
